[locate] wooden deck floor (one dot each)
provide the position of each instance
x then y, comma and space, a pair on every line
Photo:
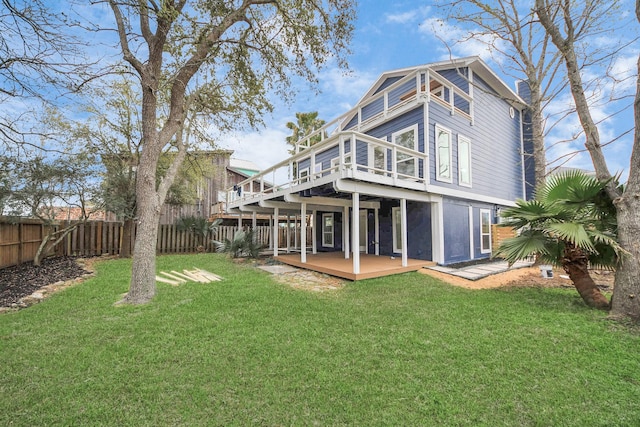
334, 264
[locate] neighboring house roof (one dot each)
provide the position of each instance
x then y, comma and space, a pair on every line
70, 213
475, 63
243, 167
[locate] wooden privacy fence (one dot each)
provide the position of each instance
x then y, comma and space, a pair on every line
19, 241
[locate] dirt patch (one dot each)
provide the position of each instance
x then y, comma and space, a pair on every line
523, 277
26, 284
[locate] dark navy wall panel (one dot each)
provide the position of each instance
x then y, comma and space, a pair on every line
456, 231
419, 230
418, 226
496, 164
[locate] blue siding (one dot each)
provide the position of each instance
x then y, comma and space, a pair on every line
458, 77
495, 145
457, 233
387, 83
372, 109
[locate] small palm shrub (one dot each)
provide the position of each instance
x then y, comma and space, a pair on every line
571, 223
243, 244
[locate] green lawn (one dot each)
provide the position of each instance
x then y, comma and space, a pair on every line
402, 350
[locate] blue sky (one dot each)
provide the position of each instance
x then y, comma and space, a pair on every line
391, 35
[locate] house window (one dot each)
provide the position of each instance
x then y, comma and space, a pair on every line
303, 175
327, 230
443, 154
378, 155
318, 170
485, 231
396, 217
335, 162
406, 164
464, 161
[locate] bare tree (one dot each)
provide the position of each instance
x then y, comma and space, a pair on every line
39, 62
564, 29
220, 58
522, 47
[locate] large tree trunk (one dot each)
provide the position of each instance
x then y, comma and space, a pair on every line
143, 272
575, 263
626, 295
537, 129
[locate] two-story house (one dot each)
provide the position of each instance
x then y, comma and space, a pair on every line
418, 170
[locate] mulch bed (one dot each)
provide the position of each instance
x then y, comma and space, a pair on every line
22, 280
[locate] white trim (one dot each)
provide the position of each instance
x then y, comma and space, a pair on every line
276, 223
303, 175
482, 248
462, 140
303, 233
435, 140
355, 234
325, 232
403, 228
425, 136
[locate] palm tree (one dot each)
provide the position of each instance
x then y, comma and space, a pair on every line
571, 223
307, 123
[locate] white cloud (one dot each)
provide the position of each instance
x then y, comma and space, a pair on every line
408, 16
401, 18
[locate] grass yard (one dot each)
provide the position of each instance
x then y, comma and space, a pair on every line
402, 350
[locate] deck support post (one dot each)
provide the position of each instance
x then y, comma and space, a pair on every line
240, 221
355, 219
288, 233
403, 227
276, 221
314, 237
376, 226
303, 233
254, 220
345, 231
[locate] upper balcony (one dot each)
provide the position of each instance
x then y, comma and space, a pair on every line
341, 149
348, 154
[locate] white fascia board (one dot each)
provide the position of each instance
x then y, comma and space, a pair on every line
254, 208
471, 196
329, 201
349, 186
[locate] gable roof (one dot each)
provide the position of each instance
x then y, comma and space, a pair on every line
475, 63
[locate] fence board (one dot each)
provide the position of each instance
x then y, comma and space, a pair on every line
20, 241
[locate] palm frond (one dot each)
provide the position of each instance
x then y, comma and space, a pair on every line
573, 232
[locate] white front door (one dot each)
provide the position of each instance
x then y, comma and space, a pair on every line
363, 231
